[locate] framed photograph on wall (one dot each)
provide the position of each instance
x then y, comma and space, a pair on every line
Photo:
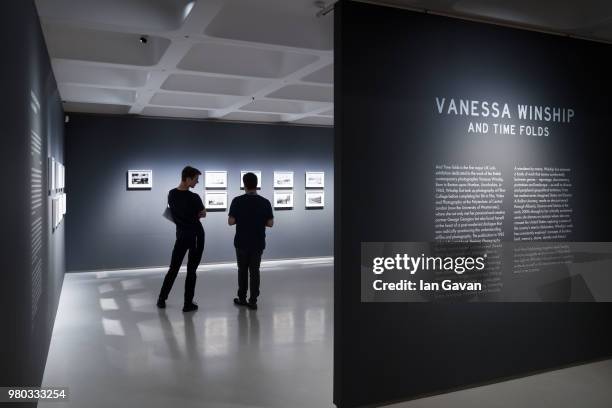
58, 175
56, 212
283, 179
215, 200
140, 179
60, 184
256, 172
283, 199
64, 209
315, 199
315, 179
51, 175
215, 179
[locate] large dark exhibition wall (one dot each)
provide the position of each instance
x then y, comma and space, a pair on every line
32, 261
435, 114
110, 226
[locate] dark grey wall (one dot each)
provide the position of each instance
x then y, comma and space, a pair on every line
393, 351
32, 260
110, 227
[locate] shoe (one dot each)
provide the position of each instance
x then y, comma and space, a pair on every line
161, 303
252, 305
240, 302
190, 307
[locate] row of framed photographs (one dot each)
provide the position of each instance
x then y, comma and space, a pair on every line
217, 200
143, 179
57, 176
282, 179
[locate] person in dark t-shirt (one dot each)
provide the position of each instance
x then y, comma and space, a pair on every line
186, 209
251, 213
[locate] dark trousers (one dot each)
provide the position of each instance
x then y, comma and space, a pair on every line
192, 241
248, 267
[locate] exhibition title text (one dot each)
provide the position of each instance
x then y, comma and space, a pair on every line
501, 111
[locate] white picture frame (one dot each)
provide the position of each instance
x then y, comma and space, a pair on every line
315, 199
215, 200
215, 179
283, 199
283, 179
63, 205
60, 177
51, 175
56, 211
315, 179
256, 172
140, 179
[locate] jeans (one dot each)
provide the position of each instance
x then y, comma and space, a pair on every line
192, 241
248, 267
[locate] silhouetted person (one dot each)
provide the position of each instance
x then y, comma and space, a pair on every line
251, 213
186, 209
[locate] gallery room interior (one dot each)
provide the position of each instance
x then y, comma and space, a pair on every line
381, 132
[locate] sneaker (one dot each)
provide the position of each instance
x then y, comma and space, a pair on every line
252, 305
190, 307
161, 303
240, 302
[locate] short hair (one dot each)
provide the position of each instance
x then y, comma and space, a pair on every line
250, 181
189, 172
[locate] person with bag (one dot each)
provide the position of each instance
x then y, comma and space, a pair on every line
185, 209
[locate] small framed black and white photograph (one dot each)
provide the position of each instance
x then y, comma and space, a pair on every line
315, 199
283, 179
64, 208
315, 179
60, 176
51, 175
215, 179
140, 179
215, 200
256, 172
283, 199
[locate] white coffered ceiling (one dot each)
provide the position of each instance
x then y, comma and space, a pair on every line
243, 60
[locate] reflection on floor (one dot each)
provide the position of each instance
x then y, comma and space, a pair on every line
113, 348
585, 386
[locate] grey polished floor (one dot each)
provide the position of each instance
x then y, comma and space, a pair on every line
113, 348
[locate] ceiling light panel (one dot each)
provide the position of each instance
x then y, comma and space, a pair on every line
73, 43
102, 108
253, 117
79, 73
214, 85
273, 22
175, 112
244, 61
324, 75
315, 120
78, 93
193, 100
148, 15
291, 107
313, 93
